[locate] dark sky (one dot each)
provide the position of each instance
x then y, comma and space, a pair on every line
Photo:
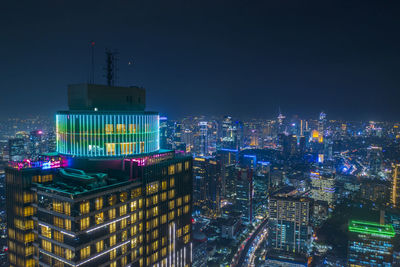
208, 57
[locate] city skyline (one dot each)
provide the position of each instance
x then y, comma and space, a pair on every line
304, 58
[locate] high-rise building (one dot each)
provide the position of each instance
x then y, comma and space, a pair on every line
289, 223
109, 197
395, 188
16, 149
244, 194
370, 244
207, 186
203, 138
323, 187
36, 144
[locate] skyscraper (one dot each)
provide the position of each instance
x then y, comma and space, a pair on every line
370, 244
395, 188
109, 197
289, 223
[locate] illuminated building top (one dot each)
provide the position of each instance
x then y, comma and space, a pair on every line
363, 227
106, 121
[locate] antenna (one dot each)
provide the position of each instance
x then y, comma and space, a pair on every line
91, 80
111, 69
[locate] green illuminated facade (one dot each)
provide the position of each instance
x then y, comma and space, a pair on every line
107, 134
370, 244
371, 228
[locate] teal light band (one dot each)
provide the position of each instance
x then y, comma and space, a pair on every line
363, 227
107, 134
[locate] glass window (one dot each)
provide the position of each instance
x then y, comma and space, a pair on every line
99, 217
111, 214
85, 252
99, 203
84, 207
84, 223
99, 246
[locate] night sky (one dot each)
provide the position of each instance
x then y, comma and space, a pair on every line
245, 58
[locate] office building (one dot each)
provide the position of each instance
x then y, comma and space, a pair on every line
395, 188
323, 187
109, 196
370, 244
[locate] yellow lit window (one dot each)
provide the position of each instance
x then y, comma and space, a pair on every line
164, 218
58, 222
99, 217
136, 192
171, 193
113, 264
179, 201
171, 169
134, 242
155, 222
179, 211
134, 230
152, 188
59, 251
99, 203
112, 200
186, 238
109, 128
179, 232
172, 182
84, 207
99, 246
155, 245
164, 196
69, 254
122, 210
140, 215
110, 149
46, 231
186, 209
46, 245
133, 205
178, 167
58, 206
84, 223
171, 204
186, 165
164, 252
113, 240
133, 218
123, 196
85, 252
141, 147
58, 236
140, 203
111, 214
121, 128
113, 254
123, 223
155, 211
67, 224
28, 211
124, 261
155, 234
113, 227
186, 199
132, 128
186, 229
124, 235
171, 215
164, 185
67, 208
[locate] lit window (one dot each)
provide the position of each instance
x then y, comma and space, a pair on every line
113, 254
111, 214
171, 169
164, 196
113, 227
99, 203
121, 128
112, 200
110, 149
122, 210
109, 128
171, 204
123, 196
171, 193
46, 245
164, 185
84, 207
46, 231
133, 205
172, 182
113, 240
84, 223
99, 246
85, 252
186, 165
99, 217
186, 209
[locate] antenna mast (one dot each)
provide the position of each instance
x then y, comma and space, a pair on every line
111, 60
91, 80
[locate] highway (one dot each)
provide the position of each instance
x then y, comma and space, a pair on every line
238, 260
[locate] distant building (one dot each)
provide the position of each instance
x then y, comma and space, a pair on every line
229, 227
16, 149
323, 187
244, 194
370, 244
289, 224
395, 188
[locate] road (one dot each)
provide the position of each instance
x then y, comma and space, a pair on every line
239, 259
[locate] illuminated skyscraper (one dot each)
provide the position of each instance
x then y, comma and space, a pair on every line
395, 188
370, 244
109, 197
289, 224
323, 187
203, 138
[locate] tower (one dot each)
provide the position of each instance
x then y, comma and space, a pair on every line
109, 195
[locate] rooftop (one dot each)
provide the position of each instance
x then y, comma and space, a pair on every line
364, 227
